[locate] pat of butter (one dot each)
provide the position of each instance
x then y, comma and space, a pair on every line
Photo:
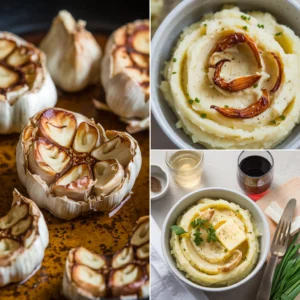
230, 235
274, 211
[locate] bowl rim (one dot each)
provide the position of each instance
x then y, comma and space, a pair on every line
160, 118
165, 239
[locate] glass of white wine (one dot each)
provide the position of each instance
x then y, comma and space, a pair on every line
185, 166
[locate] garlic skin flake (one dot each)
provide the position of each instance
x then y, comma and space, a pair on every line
92, 276
70, 165
125, 73
25, 84
24, 238
73, 54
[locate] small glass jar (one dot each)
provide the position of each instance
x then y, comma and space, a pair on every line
185, 166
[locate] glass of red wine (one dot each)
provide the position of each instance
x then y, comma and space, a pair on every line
255, 173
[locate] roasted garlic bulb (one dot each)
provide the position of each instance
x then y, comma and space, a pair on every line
125, 74
70, 165
24, 238
25, 85
92, 276
73, 54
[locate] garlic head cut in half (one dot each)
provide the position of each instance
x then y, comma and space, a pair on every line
25, 85
24, 238
70, 165
125, 74
73, 54
92, 276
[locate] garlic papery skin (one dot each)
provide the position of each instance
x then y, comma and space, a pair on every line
71, 166
25, 84
125, 71
73, 54
89, 275
24, 238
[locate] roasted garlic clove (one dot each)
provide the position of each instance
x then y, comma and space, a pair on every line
141, 233
127, 280
249, 112
143, 251
73, 54
125, 71
71, 166
25, 85
46, 160
108, 175
58, 126
24, 238
277, 84
75, 184
123, 257
233, 261
92, 260
235, 85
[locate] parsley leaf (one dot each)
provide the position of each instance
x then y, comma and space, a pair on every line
245, 27
255, 85
197, 100
211, 234
198, 222
191, 101
282, 117
178, 230
174, 59
198, 239
203, 115
278, 33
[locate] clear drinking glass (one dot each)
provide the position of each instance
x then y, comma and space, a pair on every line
255, 172
185, 166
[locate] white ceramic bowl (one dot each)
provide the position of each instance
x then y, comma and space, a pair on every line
163, 176
229, 195
187, 12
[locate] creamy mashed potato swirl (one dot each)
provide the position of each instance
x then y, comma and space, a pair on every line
228, 259
191, 91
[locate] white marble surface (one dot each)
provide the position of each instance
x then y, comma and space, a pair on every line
219, 170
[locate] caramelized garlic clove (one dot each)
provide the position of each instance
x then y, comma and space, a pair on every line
143, 251
89, 280
108, 175
141, 233
86, 138
92, 260
15, 214
59, 126
46, 160
233, 261
6, 47
123, 257
75, 183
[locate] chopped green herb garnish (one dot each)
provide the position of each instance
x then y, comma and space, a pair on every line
198, 222
282, 117
237, 211
174, 59
244, 17
245, 27
178, 230
226, 106
197, 100
205, 25
211, 234
249, 18
174, 72
273, 122
198, 239
255, 85
278, 33
191, 101
260, 25
203, 115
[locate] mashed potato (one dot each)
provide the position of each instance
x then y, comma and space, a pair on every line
220, 261
218, 116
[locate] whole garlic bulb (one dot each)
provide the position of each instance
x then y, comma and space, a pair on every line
24, 238
73, 54
70, 165
25, 85
125, 72
89, 275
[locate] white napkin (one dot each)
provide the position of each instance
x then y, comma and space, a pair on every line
164, 285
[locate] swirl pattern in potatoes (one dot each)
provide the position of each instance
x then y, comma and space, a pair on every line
232, 80
215, 243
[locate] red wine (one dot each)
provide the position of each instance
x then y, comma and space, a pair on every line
255, 166
255, 176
